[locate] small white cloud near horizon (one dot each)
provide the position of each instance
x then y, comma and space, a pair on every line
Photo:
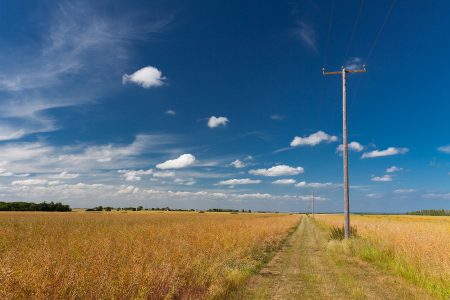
64, 175
384, 178
238, 164
388, 152
163, 174
239, 181
26, 182
146, 77
313, 139
444, 149
134, 175
171, 112
284, 181
405, 191
182, 161
353, 146
214, 121
279, 170
393, 169
374, 195
317, 184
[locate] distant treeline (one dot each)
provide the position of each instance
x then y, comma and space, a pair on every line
30, 206
430, 212
139, 208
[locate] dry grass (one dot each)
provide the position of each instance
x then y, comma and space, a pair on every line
133, 255
417, 247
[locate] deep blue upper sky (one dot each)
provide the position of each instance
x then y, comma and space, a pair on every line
112, 102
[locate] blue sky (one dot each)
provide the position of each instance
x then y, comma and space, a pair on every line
223, 104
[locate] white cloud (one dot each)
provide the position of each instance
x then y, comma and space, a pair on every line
393, 169
445, 149
134, 175
307, 35
128, 189
405, 191
35, 182
280, 170
5, 173
383, 178
284, 181
388, 152
238, 164
164, 174
65, 175
277, 117
354, 146
374, 196
171, 112
185, 181
183, 161
354, 63
214, 122
313, 139
444, 196
238, 181
146, 77
317, 184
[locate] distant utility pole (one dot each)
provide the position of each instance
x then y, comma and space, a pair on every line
344, 72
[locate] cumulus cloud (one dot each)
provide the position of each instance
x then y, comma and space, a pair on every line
134, 175
353, 146
404, 191
238, 181
238, 164
313, 139
384, 178
317, 184
146, 77
214, 122
65, 175
280, 170
393, 169
182, 161
388, 152
445, 149
284, 181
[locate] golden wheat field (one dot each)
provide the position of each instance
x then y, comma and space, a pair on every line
151, 255
419, 245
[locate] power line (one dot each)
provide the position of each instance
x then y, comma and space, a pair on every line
361, 4
386, 18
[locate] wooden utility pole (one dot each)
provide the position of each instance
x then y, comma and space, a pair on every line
344, 72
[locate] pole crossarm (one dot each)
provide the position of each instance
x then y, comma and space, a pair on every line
343, 73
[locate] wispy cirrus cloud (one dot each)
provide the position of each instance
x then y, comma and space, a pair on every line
68, 64
444, 149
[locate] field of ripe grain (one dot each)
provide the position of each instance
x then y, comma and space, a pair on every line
416, 247
151, 255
